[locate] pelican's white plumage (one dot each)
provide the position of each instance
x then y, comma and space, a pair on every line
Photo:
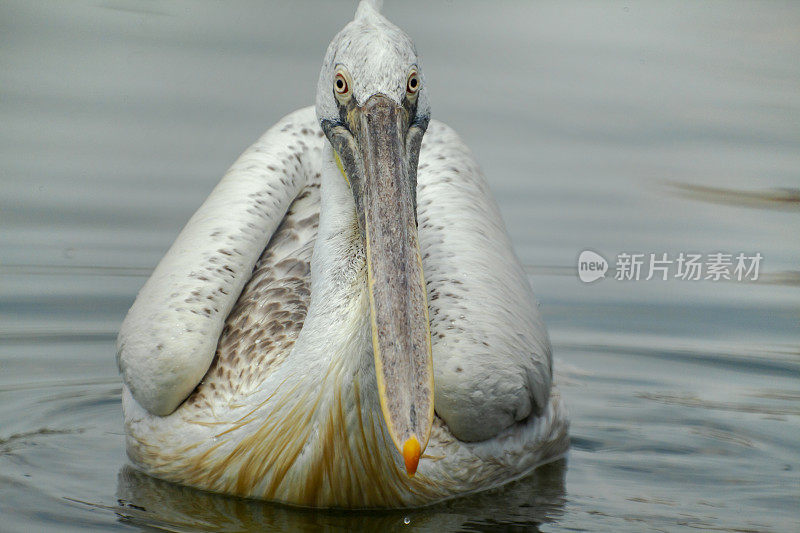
248, 355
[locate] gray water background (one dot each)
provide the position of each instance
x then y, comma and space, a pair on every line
611, 126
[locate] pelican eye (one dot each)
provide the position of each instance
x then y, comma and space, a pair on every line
340, 84
413, 84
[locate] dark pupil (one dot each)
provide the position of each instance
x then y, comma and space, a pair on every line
413, 83
339, 84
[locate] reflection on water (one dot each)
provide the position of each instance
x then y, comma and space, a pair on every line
145, 501
786, 198
650, 126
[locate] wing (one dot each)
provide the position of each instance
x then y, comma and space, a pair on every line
491, 352
169, 336
263, 325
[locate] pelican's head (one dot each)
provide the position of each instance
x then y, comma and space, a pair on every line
372, 105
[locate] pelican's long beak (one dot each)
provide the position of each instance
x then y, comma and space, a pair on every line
380, 159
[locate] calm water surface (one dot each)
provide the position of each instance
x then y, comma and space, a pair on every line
645, 127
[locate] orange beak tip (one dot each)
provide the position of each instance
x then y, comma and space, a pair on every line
411, 453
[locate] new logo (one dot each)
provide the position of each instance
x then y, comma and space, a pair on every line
591, 266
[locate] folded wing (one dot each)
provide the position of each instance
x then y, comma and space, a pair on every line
491, 352
169, 337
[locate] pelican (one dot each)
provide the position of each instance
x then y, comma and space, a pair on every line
343, 322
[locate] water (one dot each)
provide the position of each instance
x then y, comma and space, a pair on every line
640, 127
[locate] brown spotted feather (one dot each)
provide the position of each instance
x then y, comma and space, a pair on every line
262, 328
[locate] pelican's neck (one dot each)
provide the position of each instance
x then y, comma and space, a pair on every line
338, 265
336, 331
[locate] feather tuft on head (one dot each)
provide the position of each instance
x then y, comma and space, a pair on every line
368, 7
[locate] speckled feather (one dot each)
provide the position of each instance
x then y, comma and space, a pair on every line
268, 316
